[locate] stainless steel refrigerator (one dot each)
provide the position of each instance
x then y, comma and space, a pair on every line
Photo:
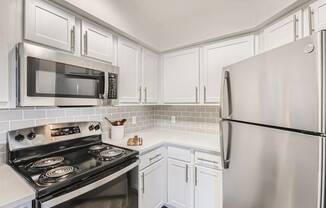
273, 127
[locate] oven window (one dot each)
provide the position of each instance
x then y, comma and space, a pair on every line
115, 194
52, 79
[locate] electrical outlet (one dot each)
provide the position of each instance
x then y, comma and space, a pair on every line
172, 119
133, 120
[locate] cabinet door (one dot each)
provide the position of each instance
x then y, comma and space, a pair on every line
153, 186
150, 70
97, 42
285, 31
208, 188
179, 184
181, 77
129, 75
318, 10
49, 25
217, 56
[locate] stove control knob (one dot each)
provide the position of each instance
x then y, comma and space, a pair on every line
31, 136
19, 137
97, 127
91, 127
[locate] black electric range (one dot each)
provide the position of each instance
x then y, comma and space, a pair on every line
58, 167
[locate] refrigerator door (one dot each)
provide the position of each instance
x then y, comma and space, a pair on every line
270, 168
282, 87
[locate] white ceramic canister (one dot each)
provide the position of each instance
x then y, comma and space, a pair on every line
117, 132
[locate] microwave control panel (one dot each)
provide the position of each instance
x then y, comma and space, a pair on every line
113, 86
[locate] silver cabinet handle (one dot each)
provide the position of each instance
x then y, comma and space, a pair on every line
145, 92
310, 16
205, 160
295, 28
153, 158
205, 94
85, 43
73, 38
196, 176
196, 91
143, 183
140, 94
187, 170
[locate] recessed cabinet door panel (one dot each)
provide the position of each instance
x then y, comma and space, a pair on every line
208, 188
179, 184
153, 191
129, 74
49, 25
181, 77
150, 69
285, 31
97, 42
218, 56
319, 15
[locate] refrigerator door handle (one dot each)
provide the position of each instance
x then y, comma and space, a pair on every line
226, 144
226, 82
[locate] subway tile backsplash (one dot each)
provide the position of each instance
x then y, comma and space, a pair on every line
190, 118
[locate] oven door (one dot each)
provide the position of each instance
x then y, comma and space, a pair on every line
117, 190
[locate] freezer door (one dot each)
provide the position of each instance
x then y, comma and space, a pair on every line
269, 168
282, 87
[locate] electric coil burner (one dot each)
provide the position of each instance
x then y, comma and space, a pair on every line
58, 161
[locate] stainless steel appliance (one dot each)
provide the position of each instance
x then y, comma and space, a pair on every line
47, 77
68, 165
273, 128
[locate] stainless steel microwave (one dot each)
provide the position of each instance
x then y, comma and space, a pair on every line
47, 77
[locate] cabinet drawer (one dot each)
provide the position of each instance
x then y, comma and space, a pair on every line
151, 157
208, 160
179, 153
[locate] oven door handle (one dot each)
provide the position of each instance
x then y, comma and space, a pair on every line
63, 198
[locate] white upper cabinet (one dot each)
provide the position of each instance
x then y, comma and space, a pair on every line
179, 184
217, 56
285, 31
150, 72
318, 15
181, 76
97, 42
153, 186
130, 74
49, 25
208, 188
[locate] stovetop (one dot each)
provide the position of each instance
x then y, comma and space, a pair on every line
65, 167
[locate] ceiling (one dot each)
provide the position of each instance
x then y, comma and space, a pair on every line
167, 24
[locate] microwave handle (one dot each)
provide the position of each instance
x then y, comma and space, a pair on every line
66, 197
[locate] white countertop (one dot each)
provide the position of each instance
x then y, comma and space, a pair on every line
153, 138
14, 190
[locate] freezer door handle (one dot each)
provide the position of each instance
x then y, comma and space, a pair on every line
226, 137
226, 101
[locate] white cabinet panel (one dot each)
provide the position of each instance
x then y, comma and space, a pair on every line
208, 188
129, 74
150, 71
97, 42
180, 184
181, 76
153, 186
285, 31
217, 56
49, 25
318, 15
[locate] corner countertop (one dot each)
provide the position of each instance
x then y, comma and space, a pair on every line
153, 138
14, 189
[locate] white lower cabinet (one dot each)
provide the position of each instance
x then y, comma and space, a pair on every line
26, 205
179, 184
153, 185
208, 188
